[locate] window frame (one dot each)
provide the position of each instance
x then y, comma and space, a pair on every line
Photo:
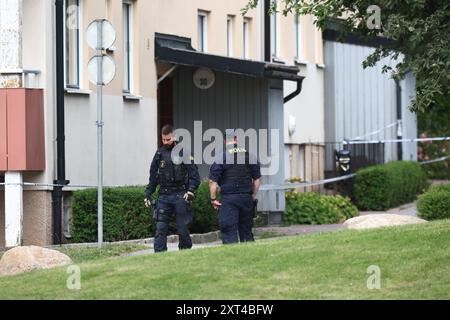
202, 28
79, 43
298, 38
275, 33
128, 74
246, 37
230, 33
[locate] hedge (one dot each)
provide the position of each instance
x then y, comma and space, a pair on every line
438, 171
382, 187
314, 208
206, 218
125, 216
435, 204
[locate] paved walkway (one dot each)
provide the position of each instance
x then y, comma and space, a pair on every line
298, 229
174, 247
407, 210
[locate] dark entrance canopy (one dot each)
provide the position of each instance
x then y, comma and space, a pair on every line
178, 50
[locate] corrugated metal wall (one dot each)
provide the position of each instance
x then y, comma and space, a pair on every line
233, 102
357, 101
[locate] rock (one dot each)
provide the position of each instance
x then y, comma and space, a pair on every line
26, 259
373, 221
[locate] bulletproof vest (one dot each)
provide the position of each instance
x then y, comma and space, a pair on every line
171, 176
238, 173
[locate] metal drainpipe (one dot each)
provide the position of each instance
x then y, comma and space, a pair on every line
399, 117
296, 92
57, 194
267, 33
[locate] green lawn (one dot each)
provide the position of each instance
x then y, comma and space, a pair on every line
79, 255
414, 263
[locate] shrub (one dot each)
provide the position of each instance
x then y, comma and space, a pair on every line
435, 204
125, 216
313, 208
344, 206
206, 218
438, 171
387, 186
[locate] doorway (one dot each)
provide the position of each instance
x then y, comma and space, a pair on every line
165, 106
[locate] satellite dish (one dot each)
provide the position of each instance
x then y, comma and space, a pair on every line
109, 69
204, 78
109, 34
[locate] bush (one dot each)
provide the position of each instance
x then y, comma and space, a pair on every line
435, 204
387, 186
206, 218
438, 171
314, 208
125, 216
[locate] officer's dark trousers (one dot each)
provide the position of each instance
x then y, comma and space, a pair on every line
167, 207
236, 217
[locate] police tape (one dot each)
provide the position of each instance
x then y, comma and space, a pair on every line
289, 186
435, 160
266, 187
350, 142
262, 188
51, 185
373, 133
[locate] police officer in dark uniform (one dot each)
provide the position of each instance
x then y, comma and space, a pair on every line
238, 174
178, 179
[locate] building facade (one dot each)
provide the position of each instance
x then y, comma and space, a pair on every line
153, 85
296, 41
366, 105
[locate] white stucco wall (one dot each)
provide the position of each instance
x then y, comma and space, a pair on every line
39, 54
129, 140
307, 108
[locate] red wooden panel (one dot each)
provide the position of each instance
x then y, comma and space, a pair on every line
35, 137
22, 135
3, 131
16, 130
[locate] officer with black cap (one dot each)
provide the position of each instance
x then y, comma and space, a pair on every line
178, 179
238, 174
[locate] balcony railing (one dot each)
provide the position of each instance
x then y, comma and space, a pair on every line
26, 75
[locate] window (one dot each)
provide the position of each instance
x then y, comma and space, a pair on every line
230, 20
298, 38
73, 44
246, 38
202, 31
275, 26
127, 46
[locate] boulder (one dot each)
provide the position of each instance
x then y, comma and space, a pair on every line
373, 221
26, 259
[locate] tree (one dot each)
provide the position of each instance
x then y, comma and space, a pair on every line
419, 30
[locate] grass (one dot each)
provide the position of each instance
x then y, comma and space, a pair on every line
414, 264
83, 254
267, 235
79, 255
